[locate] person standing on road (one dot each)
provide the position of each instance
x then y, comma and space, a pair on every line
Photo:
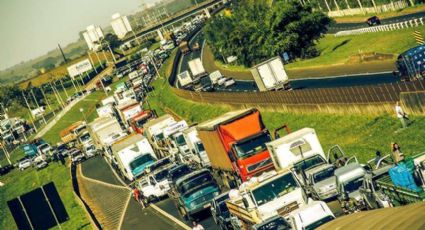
401, 115
197, 226
397, 154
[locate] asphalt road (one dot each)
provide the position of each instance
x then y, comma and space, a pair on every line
329, 82
351, 26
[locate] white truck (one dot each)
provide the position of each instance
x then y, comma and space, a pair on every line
270, 75
196, 147
128, 110
133, 154
184, 79
109, 100
303, 153
215, 77
155, 185
105, 110
124, 96
154, 131
105, 131
133, 75
196, 68
175, 140
266, 196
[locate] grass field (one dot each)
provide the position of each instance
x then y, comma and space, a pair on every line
357, 135
335, 53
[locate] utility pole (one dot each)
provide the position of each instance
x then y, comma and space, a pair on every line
6, 153
38, 106
57, 95
63, 87
91, 62
29, 108
63, 55
47, 100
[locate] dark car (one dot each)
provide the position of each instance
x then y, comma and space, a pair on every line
274, 223
5, 169
373, 21
220, 212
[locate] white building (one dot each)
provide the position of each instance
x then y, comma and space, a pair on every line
93, 35
120, 25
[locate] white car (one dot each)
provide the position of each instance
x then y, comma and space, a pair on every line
229, 82
24, 164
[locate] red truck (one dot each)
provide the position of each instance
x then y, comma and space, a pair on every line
235, 143
137, 122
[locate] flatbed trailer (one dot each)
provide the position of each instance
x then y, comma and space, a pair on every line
399, 195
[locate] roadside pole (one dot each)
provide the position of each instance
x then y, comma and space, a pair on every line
38, 106
63, 87
91, 62
73, 83
6, 153
47, 100
29, 108
58, 98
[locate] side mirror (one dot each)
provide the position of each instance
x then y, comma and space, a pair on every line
245, 202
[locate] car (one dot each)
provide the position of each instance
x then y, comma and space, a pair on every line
5, 169
220, 212
76, 156
373, 21
40, 165
24, 164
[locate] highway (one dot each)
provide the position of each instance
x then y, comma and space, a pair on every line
351, 26
310, 83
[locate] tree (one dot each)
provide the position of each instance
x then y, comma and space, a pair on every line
257, 31
113, 40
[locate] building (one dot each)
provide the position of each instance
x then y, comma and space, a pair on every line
93, 35
120, 25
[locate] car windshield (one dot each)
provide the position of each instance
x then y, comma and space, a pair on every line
141, 160
318, 223
353, 185
252, 146
324, 174
161, 175
85, 137
276, 224
308, 163
181, 171
180, 140
204, 178
275, 189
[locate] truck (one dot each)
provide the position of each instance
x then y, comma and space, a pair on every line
185, 79
124, 96
132, 155
139, 120
30, 150
128, 110
105, 131
184, 47
270, 75
215, 77
349, 180
155, 185
196, 147
109, 100
105, 110
302, 152
70, 134
235, 143
195, 192
153, 131
197, 68
263, 197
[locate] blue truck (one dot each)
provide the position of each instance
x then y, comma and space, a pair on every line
411, 63
195, 191
30, 150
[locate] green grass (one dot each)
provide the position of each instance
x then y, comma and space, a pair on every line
337, 50
18, 183
357, 135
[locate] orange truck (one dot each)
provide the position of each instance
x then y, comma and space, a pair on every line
235, 143
70, 134
137, 122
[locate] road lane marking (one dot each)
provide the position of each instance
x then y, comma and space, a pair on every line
172, 218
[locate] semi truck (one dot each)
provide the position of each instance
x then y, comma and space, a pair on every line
128, 110
184, 47
235, 145
197, 68
196, 147
153, 130
105, 110
270, 75
71, 133
137, 122
105, 131
184, 79
132, 155
273, 193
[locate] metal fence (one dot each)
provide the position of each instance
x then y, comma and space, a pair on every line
390, 27
393, 6
384, 93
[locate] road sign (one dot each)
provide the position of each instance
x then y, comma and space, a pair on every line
418, 36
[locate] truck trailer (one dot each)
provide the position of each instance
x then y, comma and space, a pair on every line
270, 75
105, 131
235, 145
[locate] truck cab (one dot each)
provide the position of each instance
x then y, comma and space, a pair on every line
137, 121
268, 195
195, 192
349, 180
321, 181
220, 212
155, 185
85, 139
196, 147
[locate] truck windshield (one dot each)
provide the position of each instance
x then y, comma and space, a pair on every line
318, 223
177, 173
85, 137
180, 140
140, 161
353, 185
308, 163
200, 147
140, 122
252, 146
161, 175
324, 174
203, 179
275, 189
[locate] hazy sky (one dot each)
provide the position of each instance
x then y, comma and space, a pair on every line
30, 28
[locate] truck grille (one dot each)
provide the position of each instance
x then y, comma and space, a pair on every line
259, 165
287, 208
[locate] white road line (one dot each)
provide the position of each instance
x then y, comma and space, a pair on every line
172, 218
340, 76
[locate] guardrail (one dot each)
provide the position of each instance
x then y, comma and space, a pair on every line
390, 27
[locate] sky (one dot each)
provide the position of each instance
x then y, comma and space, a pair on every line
30, 28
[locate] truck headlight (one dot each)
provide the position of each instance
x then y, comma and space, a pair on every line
216, 194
